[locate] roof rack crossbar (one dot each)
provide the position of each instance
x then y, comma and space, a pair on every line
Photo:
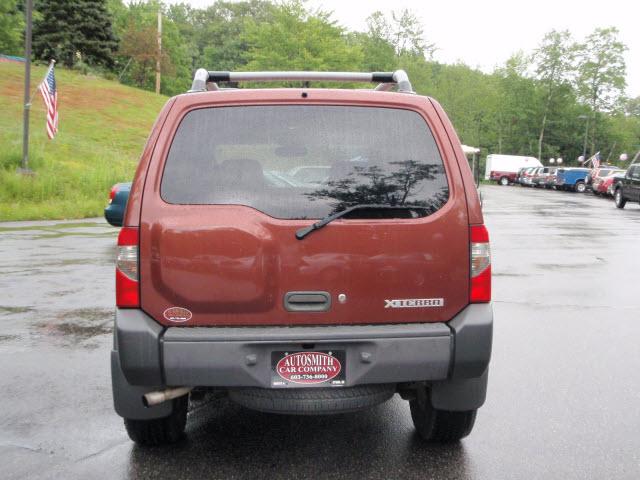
204, 79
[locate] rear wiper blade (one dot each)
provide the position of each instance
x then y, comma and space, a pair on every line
303, 232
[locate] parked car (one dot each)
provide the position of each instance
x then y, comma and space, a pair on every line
550, 180
627, 189
614, 179
519, 174
533, 176
594, 172
118, 197
571, 178
526, 180
220, 278
603, 179
541, 175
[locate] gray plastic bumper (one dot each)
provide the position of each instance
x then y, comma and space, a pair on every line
453, 356
240, 357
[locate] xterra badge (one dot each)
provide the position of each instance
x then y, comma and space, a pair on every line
414, 303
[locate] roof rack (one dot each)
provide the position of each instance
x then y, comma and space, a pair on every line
204, 80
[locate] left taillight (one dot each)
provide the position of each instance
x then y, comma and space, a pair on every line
127, 279
480, 291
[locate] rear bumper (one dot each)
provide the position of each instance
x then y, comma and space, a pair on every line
149, 355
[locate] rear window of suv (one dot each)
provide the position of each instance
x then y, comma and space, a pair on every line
299, 161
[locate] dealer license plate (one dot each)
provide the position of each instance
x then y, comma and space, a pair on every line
324, 368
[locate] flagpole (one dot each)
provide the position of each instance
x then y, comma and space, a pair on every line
24, 166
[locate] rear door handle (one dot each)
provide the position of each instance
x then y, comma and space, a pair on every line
307, 301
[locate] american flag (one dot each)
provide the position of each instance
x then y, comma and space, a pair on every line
50, 96
594, 161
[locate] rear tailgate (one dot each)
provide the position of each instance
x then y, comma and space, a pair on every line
230, 255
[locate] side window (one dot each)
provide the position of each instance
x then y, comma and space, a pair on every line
635, 173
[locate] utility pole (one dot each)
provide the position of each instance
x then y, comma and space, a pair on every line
159, 56
586, 132
24, 166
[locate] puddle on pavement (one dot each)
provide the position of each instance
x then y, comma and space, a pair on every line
78, 325
570, 266
7, 338
81, 332
5, 310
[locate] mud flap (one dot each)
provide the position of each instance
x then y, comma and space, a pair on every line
127, 399
461, 394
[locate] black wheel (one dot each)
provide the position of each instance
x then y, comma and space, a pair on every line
580, 187
441, 426
160, 431
618, 198
504, 181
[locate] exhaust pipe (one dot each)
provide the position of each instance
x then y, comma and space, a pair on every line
155, 398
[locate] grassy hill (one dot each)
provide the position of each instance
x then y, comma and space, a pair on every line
103, 127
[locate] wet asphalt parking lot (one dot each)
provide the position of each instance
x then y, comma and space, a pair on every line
564, 388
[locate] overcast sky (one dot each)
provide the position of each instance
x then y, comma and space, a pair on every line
484, 33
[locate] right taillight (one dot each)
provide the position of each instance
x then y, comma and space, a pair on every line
127, 286
480, 265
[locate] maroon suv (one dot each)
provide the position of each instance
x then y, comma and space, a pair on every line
302, 296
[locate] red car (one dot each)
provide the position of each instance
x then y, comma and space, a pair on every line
603, 179
302, 297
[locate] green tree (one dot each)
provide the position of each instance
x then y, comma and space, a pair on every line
299, 39
219, 32
378, 52
632, 107
138, 50
73, 31
408, 35
553, 62
602, 71
519, 103
11, 27
403, 32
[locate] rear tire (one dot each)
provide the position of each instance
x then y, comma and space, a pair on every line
618, 198
160, 431
441, 426
312, 401
580, 187
504, 181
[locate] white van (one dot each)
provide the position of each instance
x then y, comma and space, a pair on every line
504, 168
